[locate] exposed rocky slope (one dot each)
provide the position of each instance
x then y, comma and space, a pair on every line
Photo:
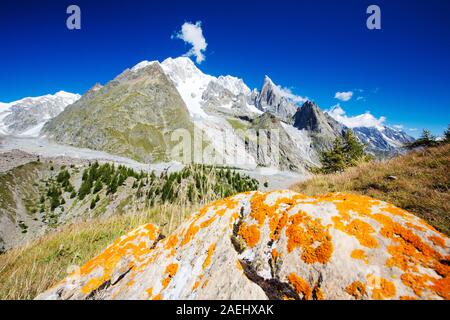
280, 245
27, 116
322, 128
272, 99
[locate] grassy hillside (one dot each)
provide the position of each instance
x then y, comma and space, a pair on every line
418, 182
111, 201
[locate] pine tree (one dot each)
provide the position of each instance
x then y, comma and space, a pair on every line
425, 140
346, 152
447, 135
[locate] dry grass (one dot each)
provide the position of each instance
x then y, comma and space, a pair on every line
27, 271
421, 184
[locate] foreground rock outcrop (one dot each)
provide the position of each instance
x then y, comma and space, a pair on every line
279, 245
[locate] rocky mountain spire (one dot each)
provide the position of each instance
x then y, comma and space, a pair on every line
323, 128
272, 99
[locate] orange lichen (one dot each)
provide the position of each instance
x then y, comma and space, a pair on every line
171, 270
133, 244
275, 254
149, 292
277, 223
437, 241
359, 229
360, 255
356, 289
206, 223
158, 297
310, 235
416, 282
318, 294
300, 285
205, 283
381, 288
407, 298
414, 226
190, 233
196, 285
171, 242
259, 210
207, 261
250, 233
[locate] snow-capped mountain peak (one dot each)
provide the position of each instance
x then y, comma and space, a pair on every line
143, 64
27, 116
234, 85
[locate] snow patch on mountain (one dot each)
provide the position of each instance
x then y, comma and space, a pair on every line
27, 116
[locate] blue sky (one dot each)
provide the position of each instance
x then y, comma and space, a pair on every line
315, 48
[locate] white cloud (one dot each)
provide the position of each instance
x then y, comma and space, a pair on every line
398, 126
344, 96
287, 92
360, 98
192, 34
362, 120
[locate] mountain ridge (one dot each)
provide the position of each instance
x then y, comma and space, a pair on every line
218, 106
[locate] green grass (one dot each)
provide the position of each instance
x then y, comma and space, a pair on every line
237, 124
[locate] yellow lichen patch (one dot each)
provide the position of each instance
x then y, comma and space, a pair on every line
437, 241
414, 226
250, 234
359, 229
259, 210
442, 286
171, 242
275, 255
396, 211
206, 223
239, 265
318, 294
234, 217
158, 297
360, 255
171, 270
300, 285
190, 233
277, 223
311, 236
207, 261
356, 289
407, 298
205, 283
348, 203
381, 288
409, 253
196, 285
149, 292
416, 282
134, 244
93, 284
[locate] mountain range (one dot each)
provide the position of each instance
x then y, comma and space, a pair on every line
27, 116
135, 114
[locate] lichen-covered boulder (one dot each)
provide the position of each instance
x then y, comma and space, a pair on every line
278, 245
